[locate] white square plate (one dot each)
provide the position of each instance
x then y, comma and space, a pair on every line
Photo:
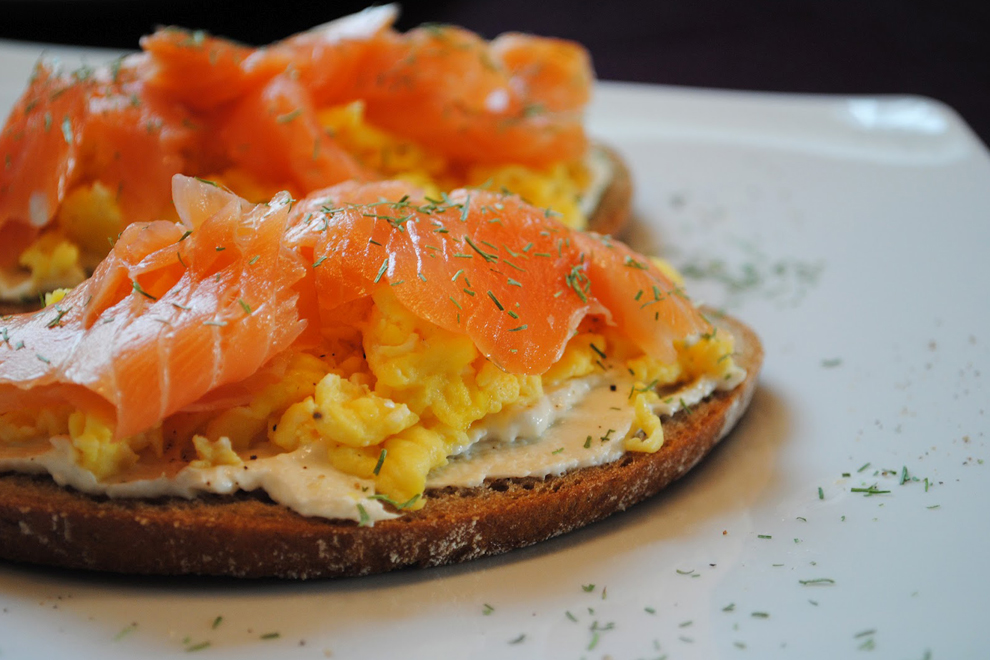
853, 234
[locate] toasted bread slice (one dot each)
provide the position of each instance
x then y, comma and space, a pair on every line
249, 536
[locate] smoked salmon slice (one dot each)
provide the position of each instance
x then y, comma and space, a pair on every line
487, 265
197, 104
177, 311
447, 88
174, 312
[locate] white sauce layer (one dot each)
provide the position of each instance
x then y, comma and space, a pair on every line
302, 480
547, 438
582, 423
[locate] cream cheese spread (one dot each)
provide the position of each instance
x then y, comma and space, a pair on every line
579, 424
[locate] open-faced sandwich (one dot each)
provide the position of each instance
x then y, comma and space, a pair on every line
89, 151
364, 379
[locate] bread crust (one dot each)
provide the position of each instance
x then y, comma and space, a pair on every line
613, 210
246, 535
8, 307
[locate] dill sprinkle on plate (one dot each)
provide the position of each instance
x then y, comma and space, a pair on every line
872, 490
127, 630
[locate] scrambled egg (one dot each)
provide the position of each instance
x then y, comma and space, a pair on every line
52, 261
389, 395
559, 187
87, 222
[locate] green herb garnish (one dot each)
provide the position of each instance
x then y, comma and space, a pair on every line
381, 271
288, 116
137, 287
381, 460
125, 632
485, 255
872, 490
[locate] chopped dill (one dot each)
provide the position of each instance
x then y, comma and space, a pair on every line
381, 271
381, 461
137, 287
496, 301
288, 116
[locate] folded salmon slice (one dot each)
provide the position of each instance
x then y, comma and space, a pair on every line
174, 312
196, 104
488, 265
178, 312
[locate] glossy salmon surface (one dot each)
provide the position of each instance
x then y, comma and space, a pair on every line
197, 104
178, 312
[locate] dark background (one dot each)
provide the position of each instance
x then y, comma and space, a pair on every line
937, 48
